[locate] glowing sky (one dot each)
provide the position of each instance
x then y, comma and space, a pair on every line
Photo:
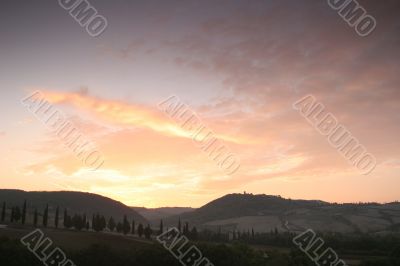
239, 65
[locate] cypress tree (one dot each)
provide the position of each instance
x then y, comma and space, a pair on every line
68, 222
65, 218
140, 230
194, 233
24, 213
125, 226
119, 227
103, 223
161, 227
93, 222
46, 216
35, 218
99, 223
147, 232
17, 214
186, 229
3, 212
77, 222
111, 224
84, 220
96, 223
12, 215
133, 227
74, 221
57, 217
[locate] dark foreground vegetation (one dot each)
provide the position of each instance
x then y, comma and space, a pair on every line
12, 253
109, 251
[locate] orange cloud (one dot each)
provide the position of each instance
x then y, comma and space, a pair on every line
124, 114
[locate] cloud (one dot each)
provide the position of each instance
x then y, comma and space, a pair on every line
273, 54
126, 114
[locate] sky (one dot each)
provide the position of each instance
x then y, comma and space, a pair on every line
238, 65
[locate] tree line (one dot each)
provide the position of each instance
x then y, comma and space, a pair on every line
78, 222
96, 223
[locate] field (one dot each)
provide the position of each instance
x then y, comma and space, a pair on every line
73, 241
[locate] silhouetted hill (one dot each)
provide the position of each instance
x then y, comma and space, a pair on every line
265, 213
238, 205
75, 202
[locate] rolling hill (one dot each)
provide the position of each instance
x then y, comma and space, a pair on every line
240, 212
265, 213
74, 202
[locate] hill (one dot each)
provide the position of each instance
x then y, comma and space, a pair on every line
265, 213
74, 202
154, 215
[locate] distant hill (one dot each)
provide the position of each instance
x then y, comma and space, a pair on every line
265, 213
154, 215
74, 202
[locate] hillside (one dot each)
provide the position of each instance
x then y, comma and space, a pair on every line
74, 202
265, 213
154, 215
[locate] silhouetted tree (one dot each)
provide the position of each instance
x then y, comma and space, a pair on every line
12, 214
3, 212
133, 227
84, 220
67, 220
96, 223
17, 214
252, 232
24, 212
46, 216
119, 227
194, 233
93, 222
140, 230
103, 223
77, 222
65, 217
125, 226
57, 217
111, 224
35, 218
161, 230
147, 232
186, 229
